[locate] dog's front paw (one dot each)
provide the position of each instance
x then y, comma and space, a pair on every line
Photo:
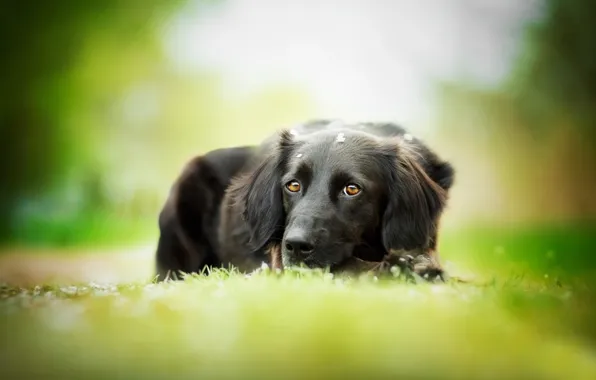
415, 265
411, 265
396, 264
427, 267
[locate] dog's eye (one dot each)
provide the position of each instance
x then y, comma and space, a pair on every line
351, 190
293, 186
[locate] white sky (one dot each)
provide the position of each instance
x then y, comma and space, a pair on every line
360, 59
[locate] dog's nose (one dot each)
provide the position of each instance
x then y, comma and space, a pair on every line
298, 242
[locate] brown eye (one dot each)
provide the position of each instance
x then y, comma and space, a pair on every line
293, 186
351, 190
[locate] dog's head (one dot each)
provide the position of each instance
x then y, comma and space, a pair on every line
324, 194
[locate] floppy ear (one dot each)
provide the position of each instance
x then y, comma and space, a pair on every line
414, 201
259, 195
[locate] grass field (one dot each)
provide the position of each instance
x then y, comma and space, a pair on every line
529, 314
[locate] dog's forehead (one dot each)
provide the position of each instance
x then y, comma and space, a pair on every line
339, 149
339, 140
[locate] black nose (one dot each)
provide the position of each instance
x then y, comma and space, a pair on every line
298, 242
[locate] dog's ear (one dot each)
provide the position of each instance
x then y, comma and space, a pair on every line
414, 200
258, 194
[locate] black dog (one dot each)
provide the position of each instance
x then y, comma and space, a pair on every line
323, 195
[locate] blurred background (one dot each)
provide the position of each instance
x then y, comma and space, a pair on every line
102, 103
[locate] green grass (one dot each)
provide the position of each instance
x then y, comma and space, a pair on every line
303, 324
530, 314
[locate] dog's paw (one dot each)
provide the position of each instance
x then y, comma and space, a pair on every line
413, 266
429, 269
416, 266
396, 265
393, 262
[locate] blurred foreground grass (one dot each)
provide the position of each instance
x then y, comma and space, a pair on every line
301, 325
529, 315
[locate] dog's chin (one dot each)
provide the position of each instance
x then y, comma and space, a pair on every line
290, 261
313, 263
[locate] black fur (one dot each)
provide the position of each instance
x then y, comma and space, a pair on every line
231, 206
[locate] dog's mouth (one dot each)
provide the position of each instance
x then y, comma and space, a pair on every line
292, 262
310, 262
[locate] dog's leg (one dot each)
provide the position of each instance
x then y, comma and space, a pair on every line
427, 264
186, 221
354, 265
